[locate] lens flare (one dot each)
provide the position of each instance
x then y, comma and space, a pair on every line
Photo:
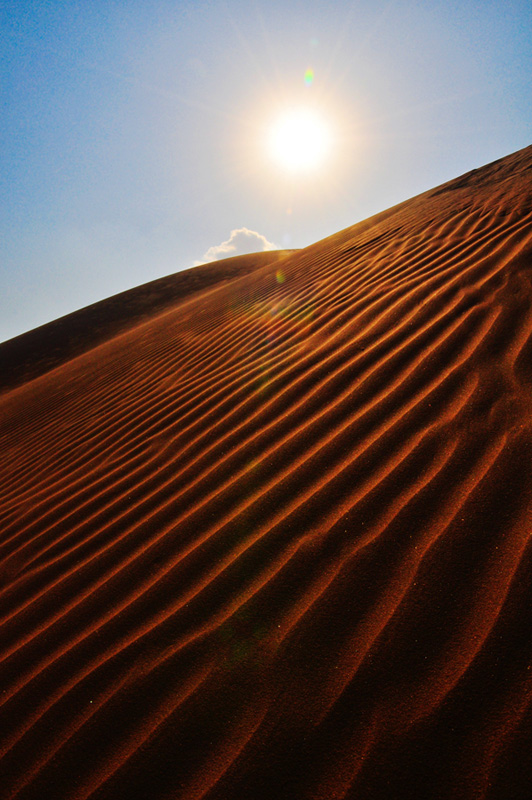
309, 77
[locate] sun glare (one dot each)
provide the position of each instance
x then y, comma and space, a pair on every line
299, 140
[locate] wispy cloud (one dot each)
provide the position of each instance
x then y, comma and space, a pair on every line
241, 241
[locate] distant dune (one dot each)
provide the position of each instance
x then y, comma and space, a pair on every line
31, 354
265, 527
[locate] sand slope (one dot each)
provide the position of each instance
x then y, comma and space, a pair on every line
273, 540
33, 353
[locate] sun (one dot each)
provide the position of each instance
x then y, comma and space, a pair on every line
299, 140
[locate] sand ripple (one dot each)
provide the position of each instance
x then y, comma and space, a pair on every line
268, 537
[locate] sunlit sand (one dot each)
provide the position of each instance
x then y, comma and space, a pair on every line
265, 525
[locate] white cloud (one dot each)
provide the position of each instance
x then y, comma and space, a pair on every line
241, 241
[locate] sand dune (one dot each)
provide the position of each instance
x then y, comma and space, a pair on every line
270, 539
33, 353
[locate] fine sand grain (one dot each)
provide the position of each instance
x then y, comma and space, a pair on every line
265, 533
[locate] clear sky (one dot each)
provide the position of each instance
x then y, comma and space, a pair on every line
134, 132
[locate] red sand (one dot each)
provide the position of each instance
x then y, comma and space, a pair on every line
269, 537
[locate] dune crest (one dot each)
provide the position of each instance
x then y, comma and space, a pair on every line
270, 537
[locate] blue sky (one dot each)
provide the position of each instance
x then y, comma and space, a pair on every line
133, 131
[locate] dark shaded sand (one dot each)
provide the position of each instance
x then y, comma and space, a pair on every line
272, 540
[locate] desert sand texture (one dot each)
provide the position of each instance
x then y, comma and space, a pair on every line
265, 534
